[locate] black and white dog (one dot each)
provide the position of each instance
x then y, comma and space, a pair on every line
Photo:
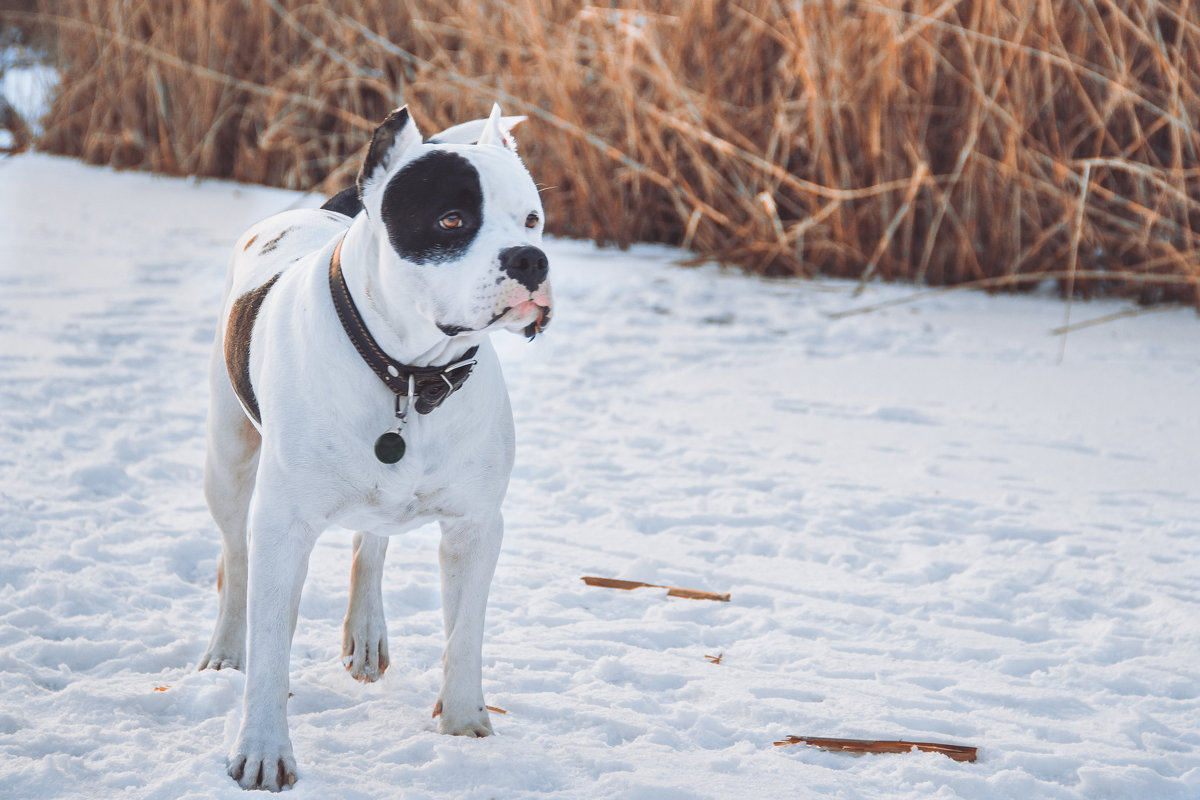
354, 384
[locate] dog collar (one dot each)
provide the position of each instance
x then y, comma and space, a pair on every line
425, 387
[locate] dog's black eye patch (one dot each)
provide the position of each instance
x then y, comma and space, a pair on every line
421, 195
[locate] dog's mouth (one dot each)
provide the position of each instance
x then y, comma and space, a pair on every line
536, 309
540, 321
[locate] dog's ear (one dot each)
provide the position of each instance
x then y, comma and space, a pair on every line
495, 132
469, 132
397, 133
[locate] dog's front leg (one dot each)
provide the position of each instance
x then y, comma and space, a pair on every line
364, 634
467, 557
262, 755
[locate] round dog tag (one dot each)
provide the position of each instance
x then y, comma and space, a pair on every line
389, 448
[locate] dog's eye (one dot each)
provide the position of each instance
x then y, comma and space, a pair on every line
451, 221
531, 221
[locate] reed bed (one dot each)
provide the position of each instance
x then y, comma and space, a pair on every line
939, 141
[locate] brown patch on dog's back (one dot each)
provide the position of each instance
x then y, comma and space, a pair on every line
273, 243
237, 345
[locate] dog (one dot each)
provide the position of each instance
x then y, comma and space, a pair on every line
353, 383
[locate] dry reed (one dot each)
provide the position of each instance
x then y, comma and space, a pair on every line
942, 141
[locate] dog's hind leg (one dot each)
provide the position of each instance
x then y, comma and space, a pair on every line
229, 470
364, 634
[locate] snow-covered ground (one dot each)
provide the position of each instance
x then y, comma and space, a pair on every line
930, 528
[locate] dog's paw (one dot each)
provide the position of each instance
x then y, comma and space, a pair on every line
472, 721
263, 767
220, 658
365, 654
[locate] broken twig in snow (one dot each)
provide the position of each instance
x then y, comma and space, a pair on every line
672, 591
954, 751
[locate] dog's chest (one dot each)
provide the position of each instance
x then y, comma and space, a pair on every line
444, 474
392, 506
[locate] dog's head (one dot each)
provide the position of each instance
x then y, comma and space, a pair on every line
459, 227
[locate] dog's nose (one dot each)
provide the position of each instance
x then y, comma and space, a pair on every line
526, 264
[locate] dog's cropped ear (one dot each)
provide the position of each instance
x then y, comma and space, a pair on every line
391, 139
495, 133
469, 132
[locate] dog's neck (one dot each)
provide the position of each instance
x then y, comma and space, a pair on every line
401, 330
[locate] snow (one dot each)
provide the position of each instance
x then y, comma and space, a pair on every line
28, 84
932, 527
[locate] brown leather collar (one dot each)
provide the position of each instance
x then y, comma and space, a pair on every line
432, 385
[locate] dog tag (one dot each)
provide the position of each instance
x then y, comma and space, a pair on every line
389, 448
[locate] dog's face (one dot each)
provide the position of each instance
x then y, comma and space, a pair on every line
459, 228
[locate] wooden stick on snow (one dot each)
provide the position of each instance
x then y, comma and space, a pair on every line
954, 751
672, 591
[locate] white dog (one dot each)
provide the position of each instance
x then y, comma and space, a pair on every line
354, 384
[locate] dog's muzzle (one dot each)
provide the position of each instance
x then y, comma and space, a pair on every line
528, 266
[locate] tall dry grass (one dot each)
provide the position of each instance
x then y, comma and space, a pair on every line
942, 141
